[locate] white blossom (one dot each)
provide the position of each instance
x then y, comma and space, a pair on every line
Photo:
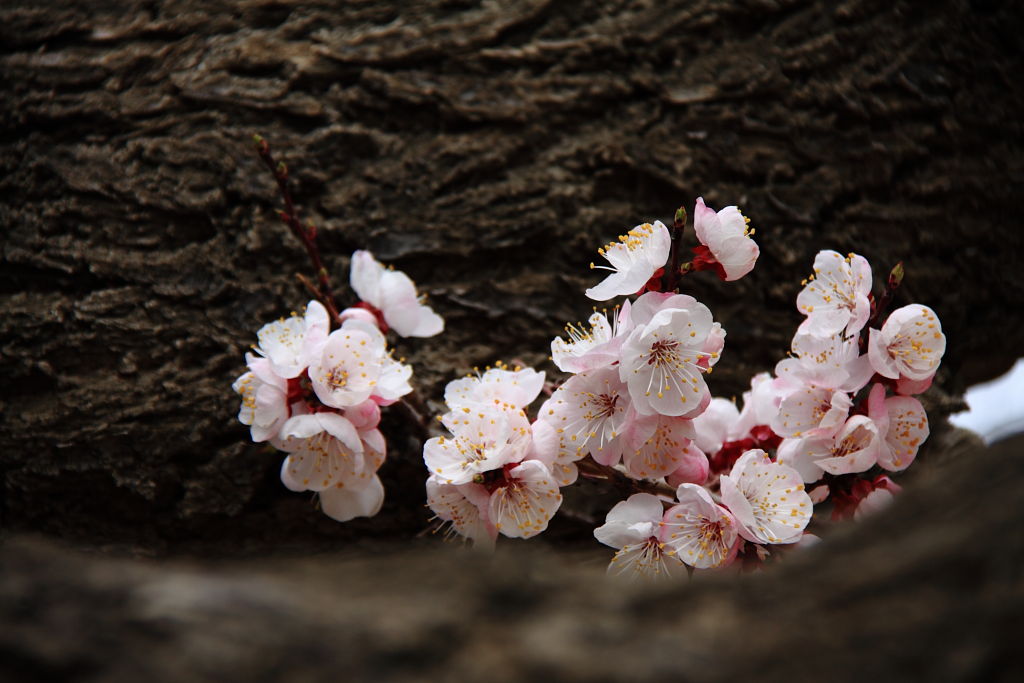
483, 438
727, 237
264, 399
462, 509
634, 527
633, 259
598, 346
346, 503
325, 449
767, 498
515, 389
663, 451
523, 504
589, 413
855, 448
698, 531
812, 411
910, 344
831, 362
661, 358
290, 344
349, 365
903, 424
835, 297
394, 295
713, 426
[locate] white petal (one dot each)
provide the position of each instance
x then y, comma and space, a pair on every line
365, 277
908, 429
523, 508
456, 505
345, 503
700, 532
768, 499
623, 520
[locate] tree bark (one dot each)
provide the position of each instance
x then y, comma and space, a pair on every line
487, 149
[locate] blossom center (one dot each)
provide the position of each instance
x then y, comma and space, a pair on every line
337, 378
663, 352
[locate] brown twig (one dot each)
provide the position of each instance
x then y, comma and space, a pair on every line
306, 234
308, 284
891, 285
670, 280
417, 413
591, 469
881, 306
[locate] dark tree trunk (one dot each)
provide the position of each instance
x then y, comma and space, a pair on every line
487, 149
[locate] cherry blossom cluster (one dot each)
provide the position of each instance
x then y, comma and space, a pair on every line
713, 485
316, 393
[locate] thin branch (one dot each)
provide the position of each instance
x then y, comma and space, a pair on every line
670, 280
306, 235
591, 469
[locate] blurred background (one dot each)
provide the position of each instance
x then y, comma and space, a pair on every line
487, 149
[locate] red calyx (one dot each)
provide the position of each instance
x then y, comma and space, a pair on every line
300, 390
654, 284
377, 313
845, 502
703, 259
497, 479
760, 436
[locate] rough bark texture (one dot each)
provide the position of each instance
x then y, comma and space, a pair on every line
486, 149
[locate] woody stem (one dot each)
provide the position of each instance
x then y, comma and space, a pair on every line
670, 280
290, 217
591, 469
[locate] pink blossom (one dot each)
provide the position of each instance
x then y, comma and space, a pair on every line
594, 348
545, 447
760, 404
812, 411
767, 498
727, 237
633, 259
634, 527
483, 438
660, 447
713, 426
264, 399
359, 313
835, 298
910, 387
909, 345
855, 448
712, 349
324, 449
828, 362
394, 295
346, 503
903, 423
698, 531
463, 510
693, 467
661, 358
525, 501
515, 389
883, 492
589, 412
349, 365
393, 382
363, 416
802, 454
289, 344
